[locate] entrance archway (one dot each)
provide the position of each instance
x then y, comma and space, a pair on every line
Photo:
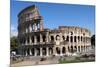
63, 50
57, 50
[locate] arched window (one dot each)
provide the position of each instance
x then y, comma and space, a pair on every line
67, 39
63, 50
57, 37
63, 37
52, 38
44, 38
71, 39
38, 39
78, 38
81, 38
71, 33
33, 39
74, 38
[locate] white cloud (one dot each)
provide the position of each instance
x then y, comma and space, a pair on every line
13, 34
13, 31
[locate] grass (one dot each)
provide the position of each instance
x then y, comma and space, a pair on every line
76, 60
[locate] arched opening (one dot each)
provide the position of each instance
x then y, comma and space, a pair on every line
67, 39
63, 50
71, 33
63, 38
68, 48
38, 39
50, 51
81, 38
33, 51
75, 48
57, 37
78, 38
32, 39
74, 38
71, 39
44, 51
52, 38
44, 38
28, 51
58, 50
28, 40
72, 49
79, 48
38, 52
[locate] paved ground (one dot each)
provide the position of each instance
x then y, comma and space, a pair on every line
36, 60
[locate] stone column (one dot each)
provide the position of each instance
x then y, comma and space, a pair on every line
61, 51
35, 40
30, 28
41, 40
30, 41
35, 27
41, 51
41, 25
77, 49
26, 53
66, 49
47, 51
54, 51
35, 51
80, 48
30, 52
47, 37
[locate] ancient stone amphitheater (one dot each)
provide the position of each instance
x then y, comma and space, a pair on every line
35, 40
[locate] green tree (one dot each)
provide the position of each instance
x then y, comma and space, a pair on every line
13, 43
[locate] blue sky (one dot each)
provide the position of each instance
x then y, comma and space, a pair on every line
57, 15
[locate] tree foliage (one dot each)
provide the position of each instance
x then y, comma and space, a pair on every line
14, 43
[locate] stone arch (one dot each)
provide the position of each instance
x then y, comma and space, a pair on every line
32, 39
63, 50
71, 33
57, 50
81, 38
44, 38
33, 51
28, 51
52, 38
44, 51
78, 38
38, 38
74, 38
50, 51
79, 48
57, 37
67, 39
71, 38
72, 49
75, 48
63, 38
38, 51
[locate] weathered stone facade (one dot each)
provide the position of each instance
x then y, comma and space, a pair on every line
35, 40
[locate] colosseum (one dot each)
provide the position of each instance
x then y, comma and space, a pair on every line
35, 40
